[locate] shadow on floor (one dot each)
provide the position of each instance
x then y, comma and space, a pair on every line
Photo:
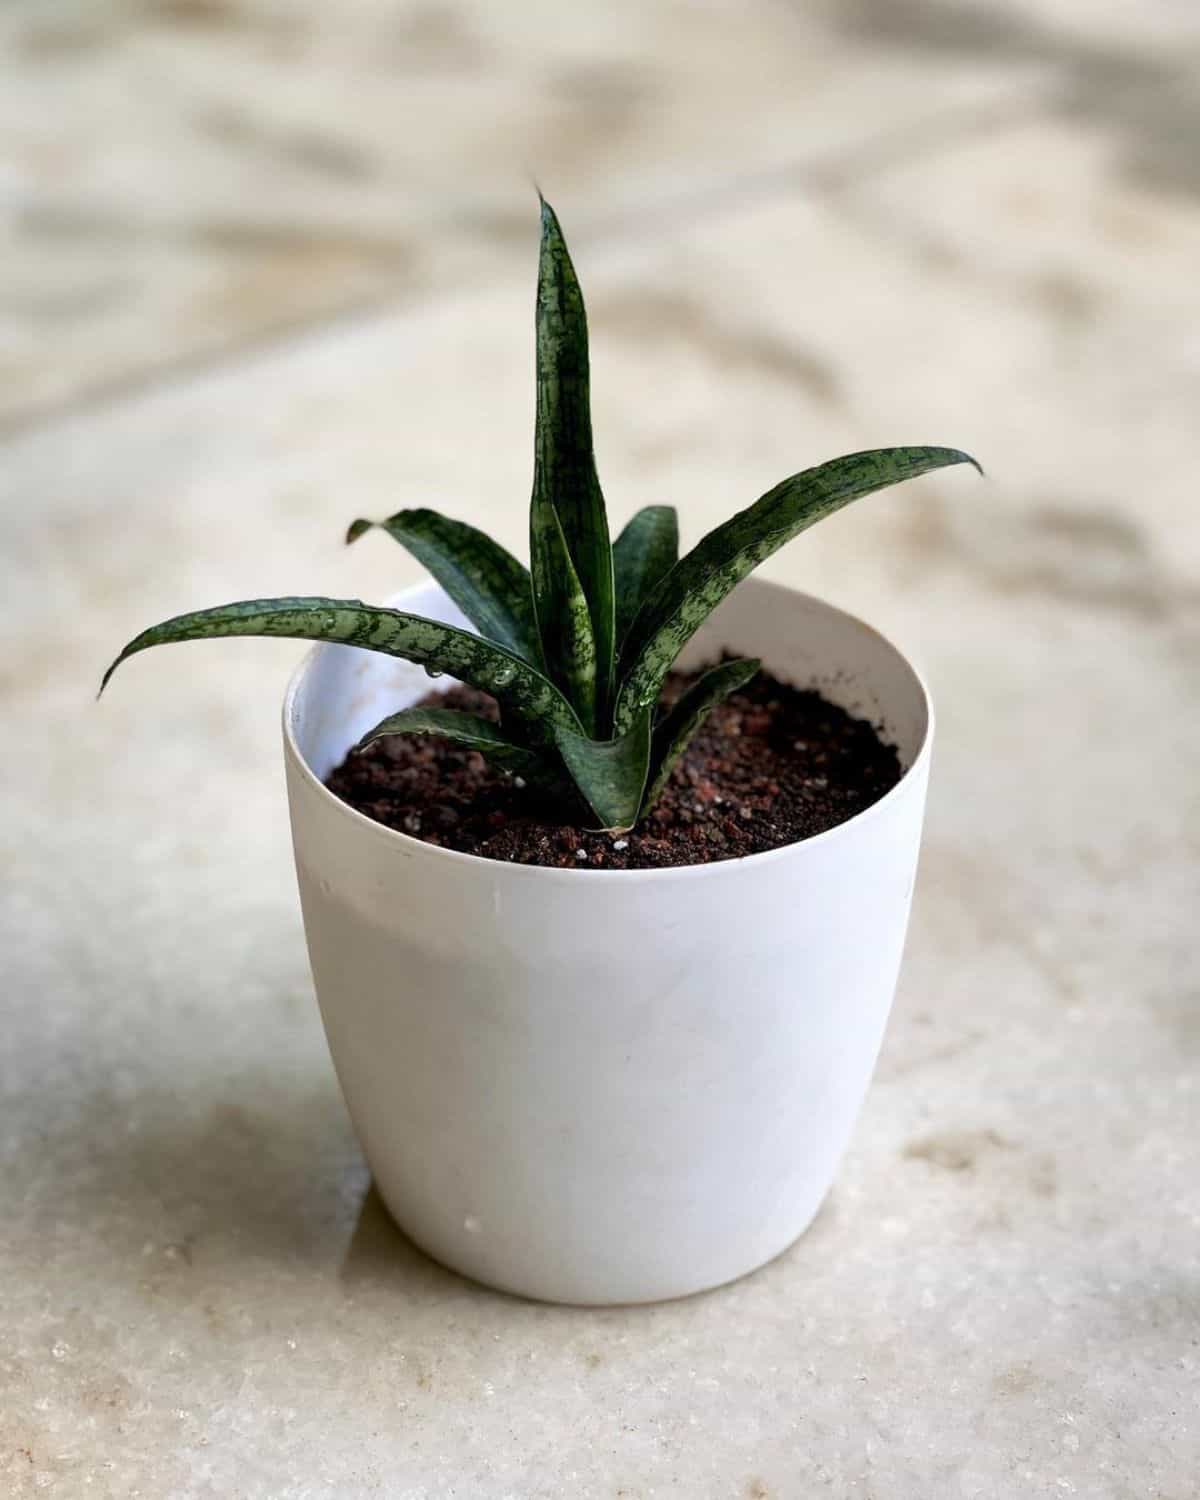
381, 1253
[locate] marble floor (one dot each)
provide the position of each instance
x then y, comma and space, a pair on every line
268, 265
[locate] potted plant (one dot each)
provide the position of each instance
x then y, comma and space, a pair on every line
600, 1083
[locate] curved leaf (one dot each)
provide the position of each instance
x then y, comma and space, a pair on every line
694, 587
565, 623
520, 689
469, 730
611, 774
647, 548
485, 580
564, 470
674, 731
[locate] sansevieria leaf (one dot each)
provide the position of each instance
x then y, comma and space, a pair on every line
611, 774
487, 582
647, 548
673, 733
694, 587
564, 470
521, 690
471, 731
565, 621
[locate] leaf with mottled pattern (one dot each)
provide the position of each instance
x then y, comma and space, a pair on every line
485, 580
520, 689
647, 548
611, 774
471, 731
673, 733
694, 587
565, 484
565, 624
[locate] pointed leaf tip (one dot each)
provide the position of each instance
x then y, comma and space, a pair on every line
525, 695
959, 456
471, 730
693, 588
356, 529
570, 552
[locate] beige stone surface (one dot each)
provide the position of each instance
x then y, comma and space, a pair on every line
803, 229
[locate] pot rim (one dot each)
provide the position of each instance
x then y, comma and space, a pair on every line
714, 868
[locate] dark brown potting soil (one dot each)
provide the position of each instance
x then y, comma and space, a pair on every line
771, 765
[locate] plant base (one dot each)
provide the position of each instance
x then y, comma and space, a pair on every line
772, 765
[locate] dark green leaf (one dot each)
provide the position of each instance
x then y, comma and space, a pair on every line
565, 622
689, 593
647, 548
469, 730
521, 691
611, 774
681, 721
487, 582
564, 472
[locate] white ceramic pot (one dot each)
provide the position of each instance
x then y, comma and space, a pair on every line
597, 1086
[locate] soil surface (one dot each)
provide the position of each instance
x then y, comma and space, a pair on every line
771, 765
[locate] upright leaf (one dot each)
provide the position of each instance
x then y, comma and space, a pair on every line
673, 733
564, 470
611, 774
487, 582
565, 621
647, 548
522, 692
689, 593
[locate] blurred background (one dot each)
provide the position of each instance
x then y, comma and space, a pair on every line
269, 265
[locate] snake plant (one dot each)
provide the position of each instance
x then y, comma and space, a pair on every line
574, 648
